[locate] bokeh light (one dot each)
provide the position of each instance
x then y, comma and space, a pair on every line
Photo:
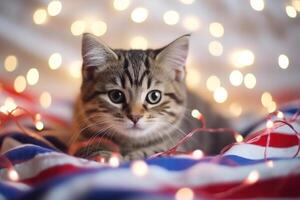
291, 11
239, 138
45, 100
235, 109
139, 15
191, 23
54, 8
236, 78
40, 16
121, 4
78, 27
20, 84
13, 175
99, 28
283, 61
257, 5
242, 58
55, 61
266, 99
171, 17
216, 29
250, 81
138, 42
184, 194
187, 1
75, 69
139, 168
10, 63
212, 83
220, 95
32, 76
193, 78
296, 4
215, 48
252, 177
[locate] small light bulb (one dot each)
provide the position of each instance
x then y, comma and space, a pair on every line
13, 175
280, 115
239, 138
39, 125
139, 168
197, 154
269, 124
252, 177
196, 114
114, 161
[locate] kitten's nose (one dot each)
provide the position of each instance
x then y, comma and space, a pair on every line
135, 118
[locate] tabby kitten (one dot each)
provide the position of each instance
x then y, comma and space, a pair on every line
138, 100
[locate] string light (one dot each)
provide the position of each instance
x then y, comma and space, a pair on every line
280, 115
10, 63
32, 76
215, 48
197, 154
55, 61
236, 78
242, 58
239, 138
39, 125
235, 109
121, 4
99, 28
54, 8
75, 69
20, 84
187, 1
45, 100
220, 95
269, 124
196, 114
212, 83
250, 81
78, 27
216, 29
191, 23
257, 5
139, 168
40, 16
139, 15
114, 161
283, 61
252, 177
193, 78
13, 175
184, 194
171, 17
291, 11
138, 42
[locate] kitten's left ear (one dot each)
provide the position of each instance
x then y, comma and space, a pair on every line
173, 57
95, 54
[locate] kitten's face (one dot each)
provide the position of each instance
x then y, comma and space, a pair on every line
139, 94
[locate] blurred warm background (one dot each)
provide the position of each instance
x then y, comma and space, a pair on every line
244, 55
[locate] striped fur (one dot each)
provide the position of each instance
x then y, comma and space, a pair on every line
135, 73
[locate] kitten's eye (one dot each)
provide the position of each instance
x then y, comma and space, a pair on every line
116, 96
153, 97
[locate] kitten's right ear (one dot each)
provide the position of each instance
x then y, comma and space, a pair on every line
95, 55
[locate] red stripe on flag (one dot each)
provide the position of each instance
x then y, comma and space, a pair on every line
277, 140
